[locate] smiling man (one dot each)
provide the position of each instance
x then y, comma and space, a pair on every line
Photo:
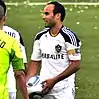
57, 49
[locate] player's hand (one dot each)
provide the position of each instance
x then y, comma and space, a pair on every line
47, 85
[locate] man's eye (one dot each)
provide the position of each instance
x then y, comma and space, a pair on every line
46, 13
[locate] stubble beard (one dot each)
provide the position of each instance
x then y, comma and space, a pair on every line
49, 25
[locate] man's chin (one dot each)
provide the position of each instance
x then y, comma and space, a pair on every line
46, 26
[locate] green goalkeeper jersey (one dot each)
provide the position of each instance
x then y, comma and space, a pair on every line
9, 52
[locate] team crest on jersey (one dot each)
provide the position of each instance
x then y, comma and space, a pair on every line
58, 48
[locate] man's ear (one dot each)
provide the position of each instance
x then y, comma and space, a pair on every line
58, 15
3, 20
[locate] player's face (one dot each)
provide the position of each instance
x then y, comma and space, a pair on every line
48, 16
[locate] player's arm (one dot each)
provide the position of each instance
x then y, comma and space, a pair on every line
21, 83
19, 68
33, 69
34, 65
73, 67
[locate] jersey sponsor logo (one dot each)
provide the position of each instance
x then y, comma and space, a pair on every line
52, 56
2, 43
58, 48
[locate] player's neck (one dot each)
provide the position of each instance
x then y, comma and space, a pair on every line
55, 30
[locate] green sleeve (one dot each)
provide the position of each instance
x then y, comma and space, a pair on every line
16, 57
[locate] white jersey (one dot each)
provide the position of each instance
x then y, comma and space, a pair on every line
55, 53
11, 78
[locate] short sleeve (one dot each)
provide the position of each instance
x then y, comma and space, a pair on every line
73, 51
16, 56
23, 53
36, 53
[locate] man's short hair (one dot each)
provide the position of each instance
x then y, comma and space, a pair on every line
59, 8
2, 4
1, 12
3, 0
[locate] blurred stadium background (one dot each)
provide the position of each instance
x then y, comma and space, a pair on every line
82, 19
48, 0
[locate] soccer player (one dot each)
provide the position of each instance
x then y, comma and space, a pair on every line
57, 49
10, 52
12, 85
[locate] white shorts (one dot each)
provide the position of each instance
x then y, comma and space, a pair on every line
12, 95
66, 93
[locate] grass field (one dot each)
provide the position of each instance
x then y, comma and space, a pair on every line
50, 0
84, 21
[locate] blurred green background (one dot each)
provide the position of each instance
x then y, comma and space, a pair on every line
83, 20
48, 0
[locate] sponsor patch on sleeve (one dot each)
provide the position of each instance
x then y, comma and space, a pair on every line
73, 51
